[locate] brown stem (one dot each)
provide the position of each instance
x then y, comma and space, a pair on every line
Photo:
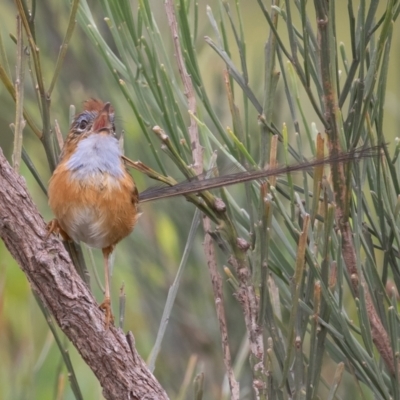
342, 192
216, 281
197, 151
246, 293
19, 97
114, 360
378, 332
248, 300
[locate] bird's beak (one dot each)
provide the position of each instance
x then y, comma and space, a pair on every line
103, 120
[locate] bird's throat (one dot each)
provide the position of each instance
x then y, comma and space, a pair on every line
98, 153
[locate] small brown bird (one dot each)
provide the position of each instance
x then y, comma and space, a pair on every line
95, 200
93, 197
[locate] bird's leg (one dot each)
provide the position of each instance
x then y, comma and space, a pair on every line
106, 304
54, 227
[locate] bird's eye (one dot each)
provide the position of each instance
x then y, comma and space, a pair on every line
83, 122
82, 125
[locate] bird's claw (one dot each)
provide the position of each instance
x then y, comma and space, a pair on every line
106, 306
54, 227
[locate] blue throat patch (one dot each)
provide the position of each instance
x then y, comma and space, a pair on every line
96, 154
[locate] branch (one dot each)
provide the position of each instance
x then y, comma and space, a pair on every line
216, 282
109, 353
196, 148
342, 190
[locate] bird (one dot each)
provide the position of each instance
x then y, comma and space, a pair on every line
92, 195
95, 200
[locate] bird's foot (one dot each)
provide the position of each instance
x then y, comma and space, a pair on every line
106, 306
54, 227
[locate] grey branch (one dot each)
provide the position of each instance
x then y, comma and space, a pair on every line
120, 370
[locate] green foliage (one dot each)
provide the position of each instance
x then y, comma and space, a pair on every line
293, 69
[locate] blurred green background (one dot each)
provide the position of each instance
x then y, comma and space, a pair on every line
146, 262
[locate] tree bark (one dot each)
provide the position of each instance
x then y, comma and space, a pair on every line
120, 370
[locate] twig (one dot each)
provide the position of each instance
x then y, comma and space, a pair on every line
61, 346
188, 377
198, 384
19, 97
379, 335
247, 298
122, 303
118, 367
59, 136
246, 292
173, 291
94, 269
34, 48
10, 89
216, 281
64, 46
188, 85
46, 137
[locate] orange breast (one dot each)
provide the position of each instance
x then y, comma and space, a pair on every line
99, 210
